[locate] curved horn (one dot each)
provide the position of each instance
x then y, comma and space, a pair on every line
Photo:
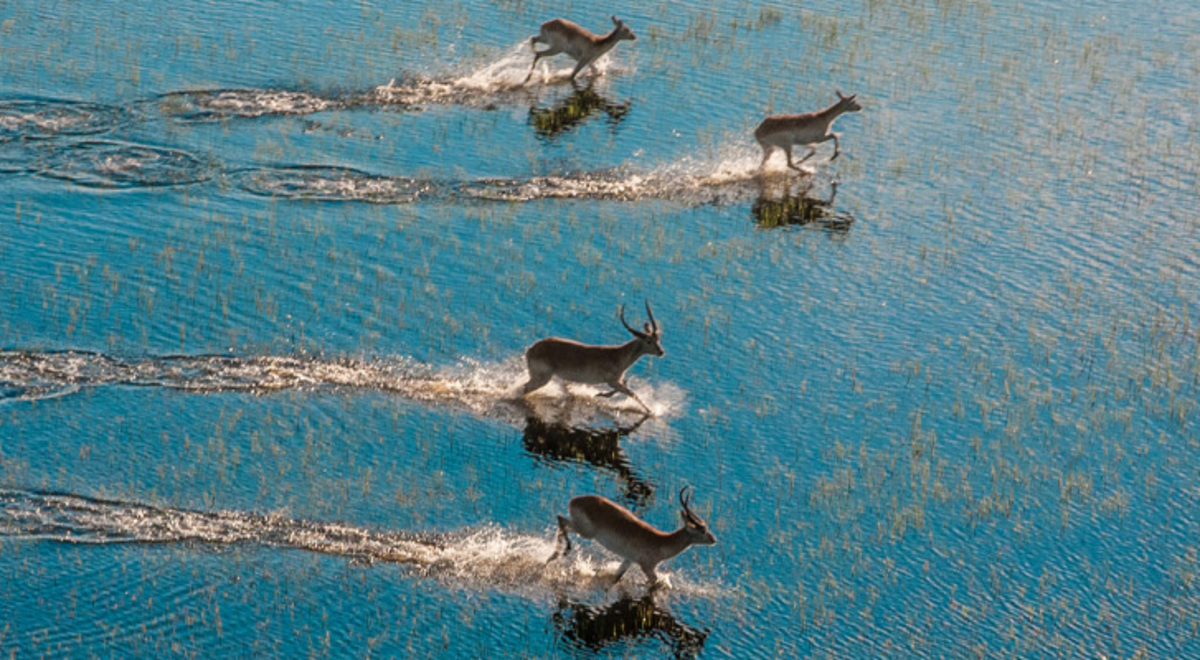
684, 498
653, 323
635, 333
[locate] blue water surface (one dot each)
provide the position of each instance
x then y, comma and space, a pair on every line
268, 271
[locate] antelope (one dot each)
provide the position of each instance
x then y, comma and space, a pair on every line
786, 131
563, 36
624, 534
585, 363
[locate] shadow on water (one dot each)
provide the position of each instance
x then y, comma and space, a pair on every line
779, 205
549, 122
590, 629
555, 442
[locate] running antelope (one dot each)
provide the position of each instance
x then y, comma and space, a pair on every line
624, 534
786, 131
563, 36
585, 363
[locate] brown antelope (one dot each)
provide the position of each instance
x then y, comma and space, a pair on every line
563, 36
585, 363
786, 131
627, 536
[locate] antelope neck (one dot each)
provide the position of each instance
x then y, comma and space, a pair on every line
833, 112
609, 40
674, 543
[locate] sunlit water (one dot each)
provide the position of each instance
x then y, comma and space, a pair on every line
267, 274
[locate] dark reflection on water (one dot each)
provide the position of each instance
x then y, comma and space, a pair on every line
599, 447
549, 122
591, 628
778, 205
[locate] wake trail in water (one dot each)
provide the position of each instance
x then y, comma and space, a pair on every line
33, 118
730, 178
486, 390
501, 80
488, 557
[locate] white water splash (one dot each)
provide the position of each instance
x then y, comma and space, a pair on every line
503, 76
489, 557
490, 390
214, 105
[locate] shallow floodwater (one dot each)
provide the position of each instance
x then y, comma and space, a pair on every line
268, 271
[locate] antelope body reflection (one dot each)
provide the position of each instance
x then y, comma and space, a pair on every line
784, 207
627, 620
599, 447
566, 114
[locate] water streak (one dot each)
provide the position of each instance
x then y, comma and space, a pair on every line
483, 389
729, 179
319, 183
219, 104
499, 81
488, 557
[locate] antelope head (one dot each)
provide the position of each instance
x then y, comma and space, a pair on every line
848, 103
697, 529
649, 338
623, 31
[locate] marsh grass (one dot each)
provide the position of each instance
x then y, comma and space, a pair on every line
962, 428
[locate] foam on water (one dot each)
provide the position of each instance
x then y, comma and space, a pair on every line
32, 118
112, 164
485, 389
686, 181
497, 80
219, 104
487, 557
319, 183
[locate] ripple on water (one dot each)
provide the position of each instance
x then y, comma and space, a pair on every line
218, 104
330, 184
29, 118
113, 164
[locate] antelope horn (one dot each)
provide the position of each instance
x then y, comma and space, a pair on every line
621, 314
653, 323
684, 498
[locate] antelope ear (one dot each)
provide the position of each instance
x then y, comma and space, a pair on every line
839, 93
616, 21
646, 327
